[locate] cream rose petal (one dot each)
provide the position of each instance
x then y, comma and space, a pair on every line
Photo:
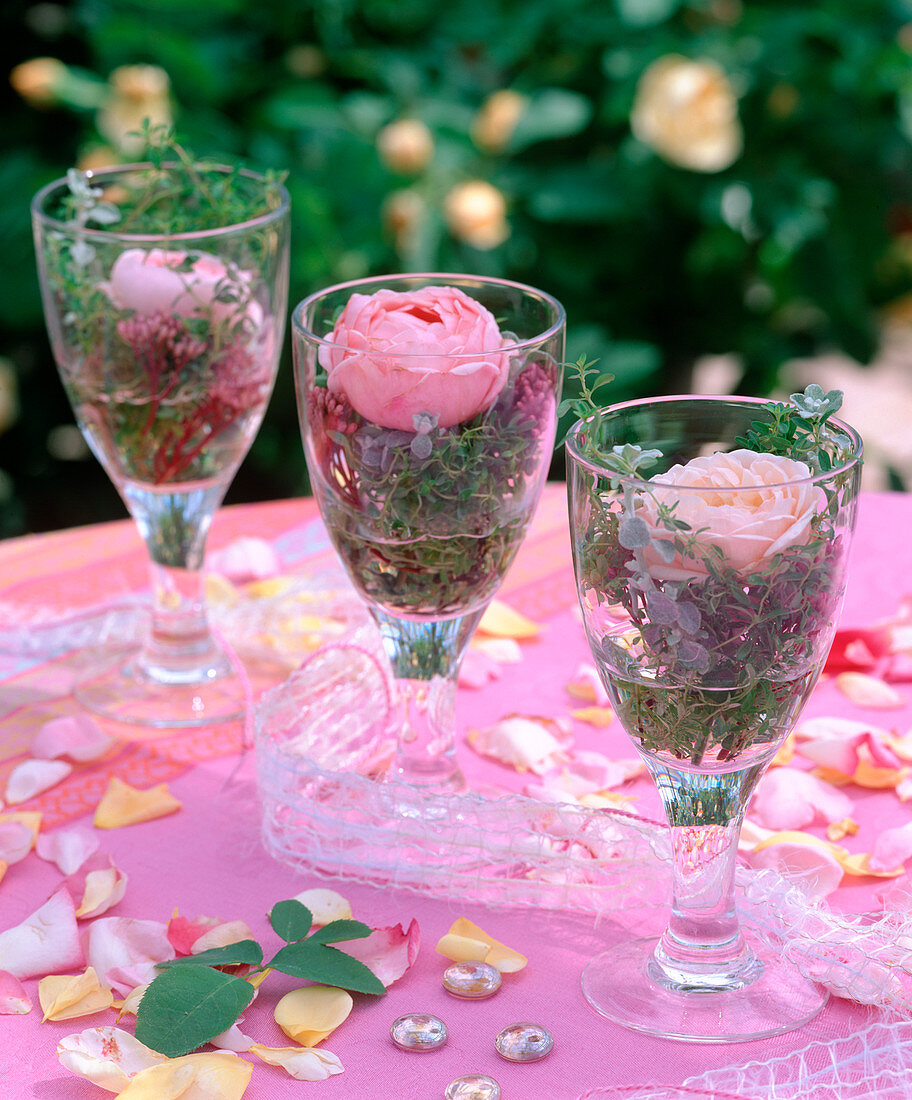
464, 932
104, 888
77, 736
891, 848
124, 950
130, 1003
787, 798
525, 743
309, 1014
502, 621
387, 952
233, 1039
66, 996
68, 848
222, 934
302, 1064
47, 942
212, 1076
16, 841
122, 804
33, 777
107, 1056
325, 905
869, 691
14, 1000
812, 866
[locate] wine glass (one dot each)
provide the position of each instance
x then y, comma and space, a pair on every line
710, 576
165, 292
428, 413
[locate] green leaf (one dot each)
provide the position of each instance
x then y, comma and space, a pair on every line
187, 1006
291, 920
244, 951
338, 930
319, 963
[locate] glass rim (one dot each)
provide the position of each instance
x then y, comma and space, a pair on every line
110, 235
594, 467
431, 278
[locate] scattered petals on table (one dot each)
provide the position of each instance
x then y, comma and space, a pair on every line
102, 889
68, 848
309, 1014
32, 777
107, 1056
122, 804
502, 621
14, 1000
47, 942
219, 1075
869, 691
787, 798
465, 936
67, 996
302, 1064
124, 950
77, 736
525, 743
325, 905
387, 952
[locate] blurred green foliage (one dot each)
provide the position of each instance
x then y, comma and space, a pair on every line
791, 249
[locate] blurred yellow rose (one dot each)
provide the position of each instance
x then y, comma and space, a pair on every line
476, 212
687, 112
404, 213
38, 80
495, 122
138, 92
405, 146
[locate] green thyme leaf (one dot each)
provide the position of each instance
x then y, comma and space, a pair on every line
232, 954
187, 1006
290, 920
319, 963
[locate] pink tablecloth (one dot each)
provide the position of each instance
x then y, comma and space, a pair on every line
207, 859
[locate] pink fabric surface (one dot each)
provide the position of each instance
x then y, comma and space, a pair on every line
207, 859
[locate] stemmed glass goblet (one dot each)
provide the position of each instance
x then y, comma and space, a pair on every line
428, 412
165, 291
710, 538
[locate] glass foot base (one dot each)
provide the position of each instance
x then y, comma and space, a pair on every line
618, 986
123, 692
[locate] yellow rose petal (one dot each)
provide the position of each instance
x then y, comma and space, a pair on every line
308, 1015
836, 830
216, 1076
299, 1062
785, 753
857, 865
325, 905
877, 778
462, 948
502, 621
595, 716
851, 864
869, 691
31, 819
122, 804
504, 958
66, 996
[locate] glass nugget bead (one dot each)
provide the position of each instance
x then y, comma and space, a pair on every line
472, 981
474, 1086
524, 1042
419, 1031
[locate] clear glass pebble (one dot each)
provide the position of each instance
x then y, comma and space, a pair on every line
471, 980
524, 1042
474, 1086
419, 1031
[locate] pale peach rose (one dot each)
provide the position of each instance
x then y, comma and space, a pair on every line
406, 145
397, 354
687, 112
139, 94
749, 506
39, 80
162, 281
476, 212
498, 118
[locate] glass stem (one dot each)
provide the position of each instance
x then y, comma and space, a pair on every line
703, 950
425, 657
179, 648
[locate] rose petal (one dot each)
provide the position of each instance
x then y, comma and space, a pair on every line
836, 830
233, 1039
107, 1056
600, 717
387, 952
229, 931
68, 848
525, 743
505, 651
789, 799
124, 950
14, 1001
31, 777
16, 841
47, 942
309, 1014
104, 888
122, 804
891, 848
303, 1065
64, 997
183, 932
325, 905
130, 1003
809, 864
245, 559
477, 669
504, 958
868, 691
77, 736
502, 621
587, 685
219, 1075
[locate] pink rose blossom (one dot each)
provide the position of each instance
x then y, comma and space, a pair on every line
179, 283
433, 350
750, 506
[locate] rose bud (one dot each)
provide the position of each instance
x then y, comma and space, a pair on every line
475, 212
495, 122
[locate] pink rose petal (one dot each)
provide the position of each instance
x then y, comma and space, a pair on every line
124, 950
790, 799
16, 840
855, 650
68, 848
103, 888
388, 952
892, 848
77, 736
477, 669
47, 942
526, 743
183, 932
233, 1039
31, 777
245, 559
868, 691
832, 728
815, 869
600, 771
14, 1001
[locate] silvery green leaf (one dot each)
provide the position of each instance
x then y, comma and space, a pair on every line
689, 617
105, 213
633, 533
82, 253
421, 446
661, 609
665, 549
693, 655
